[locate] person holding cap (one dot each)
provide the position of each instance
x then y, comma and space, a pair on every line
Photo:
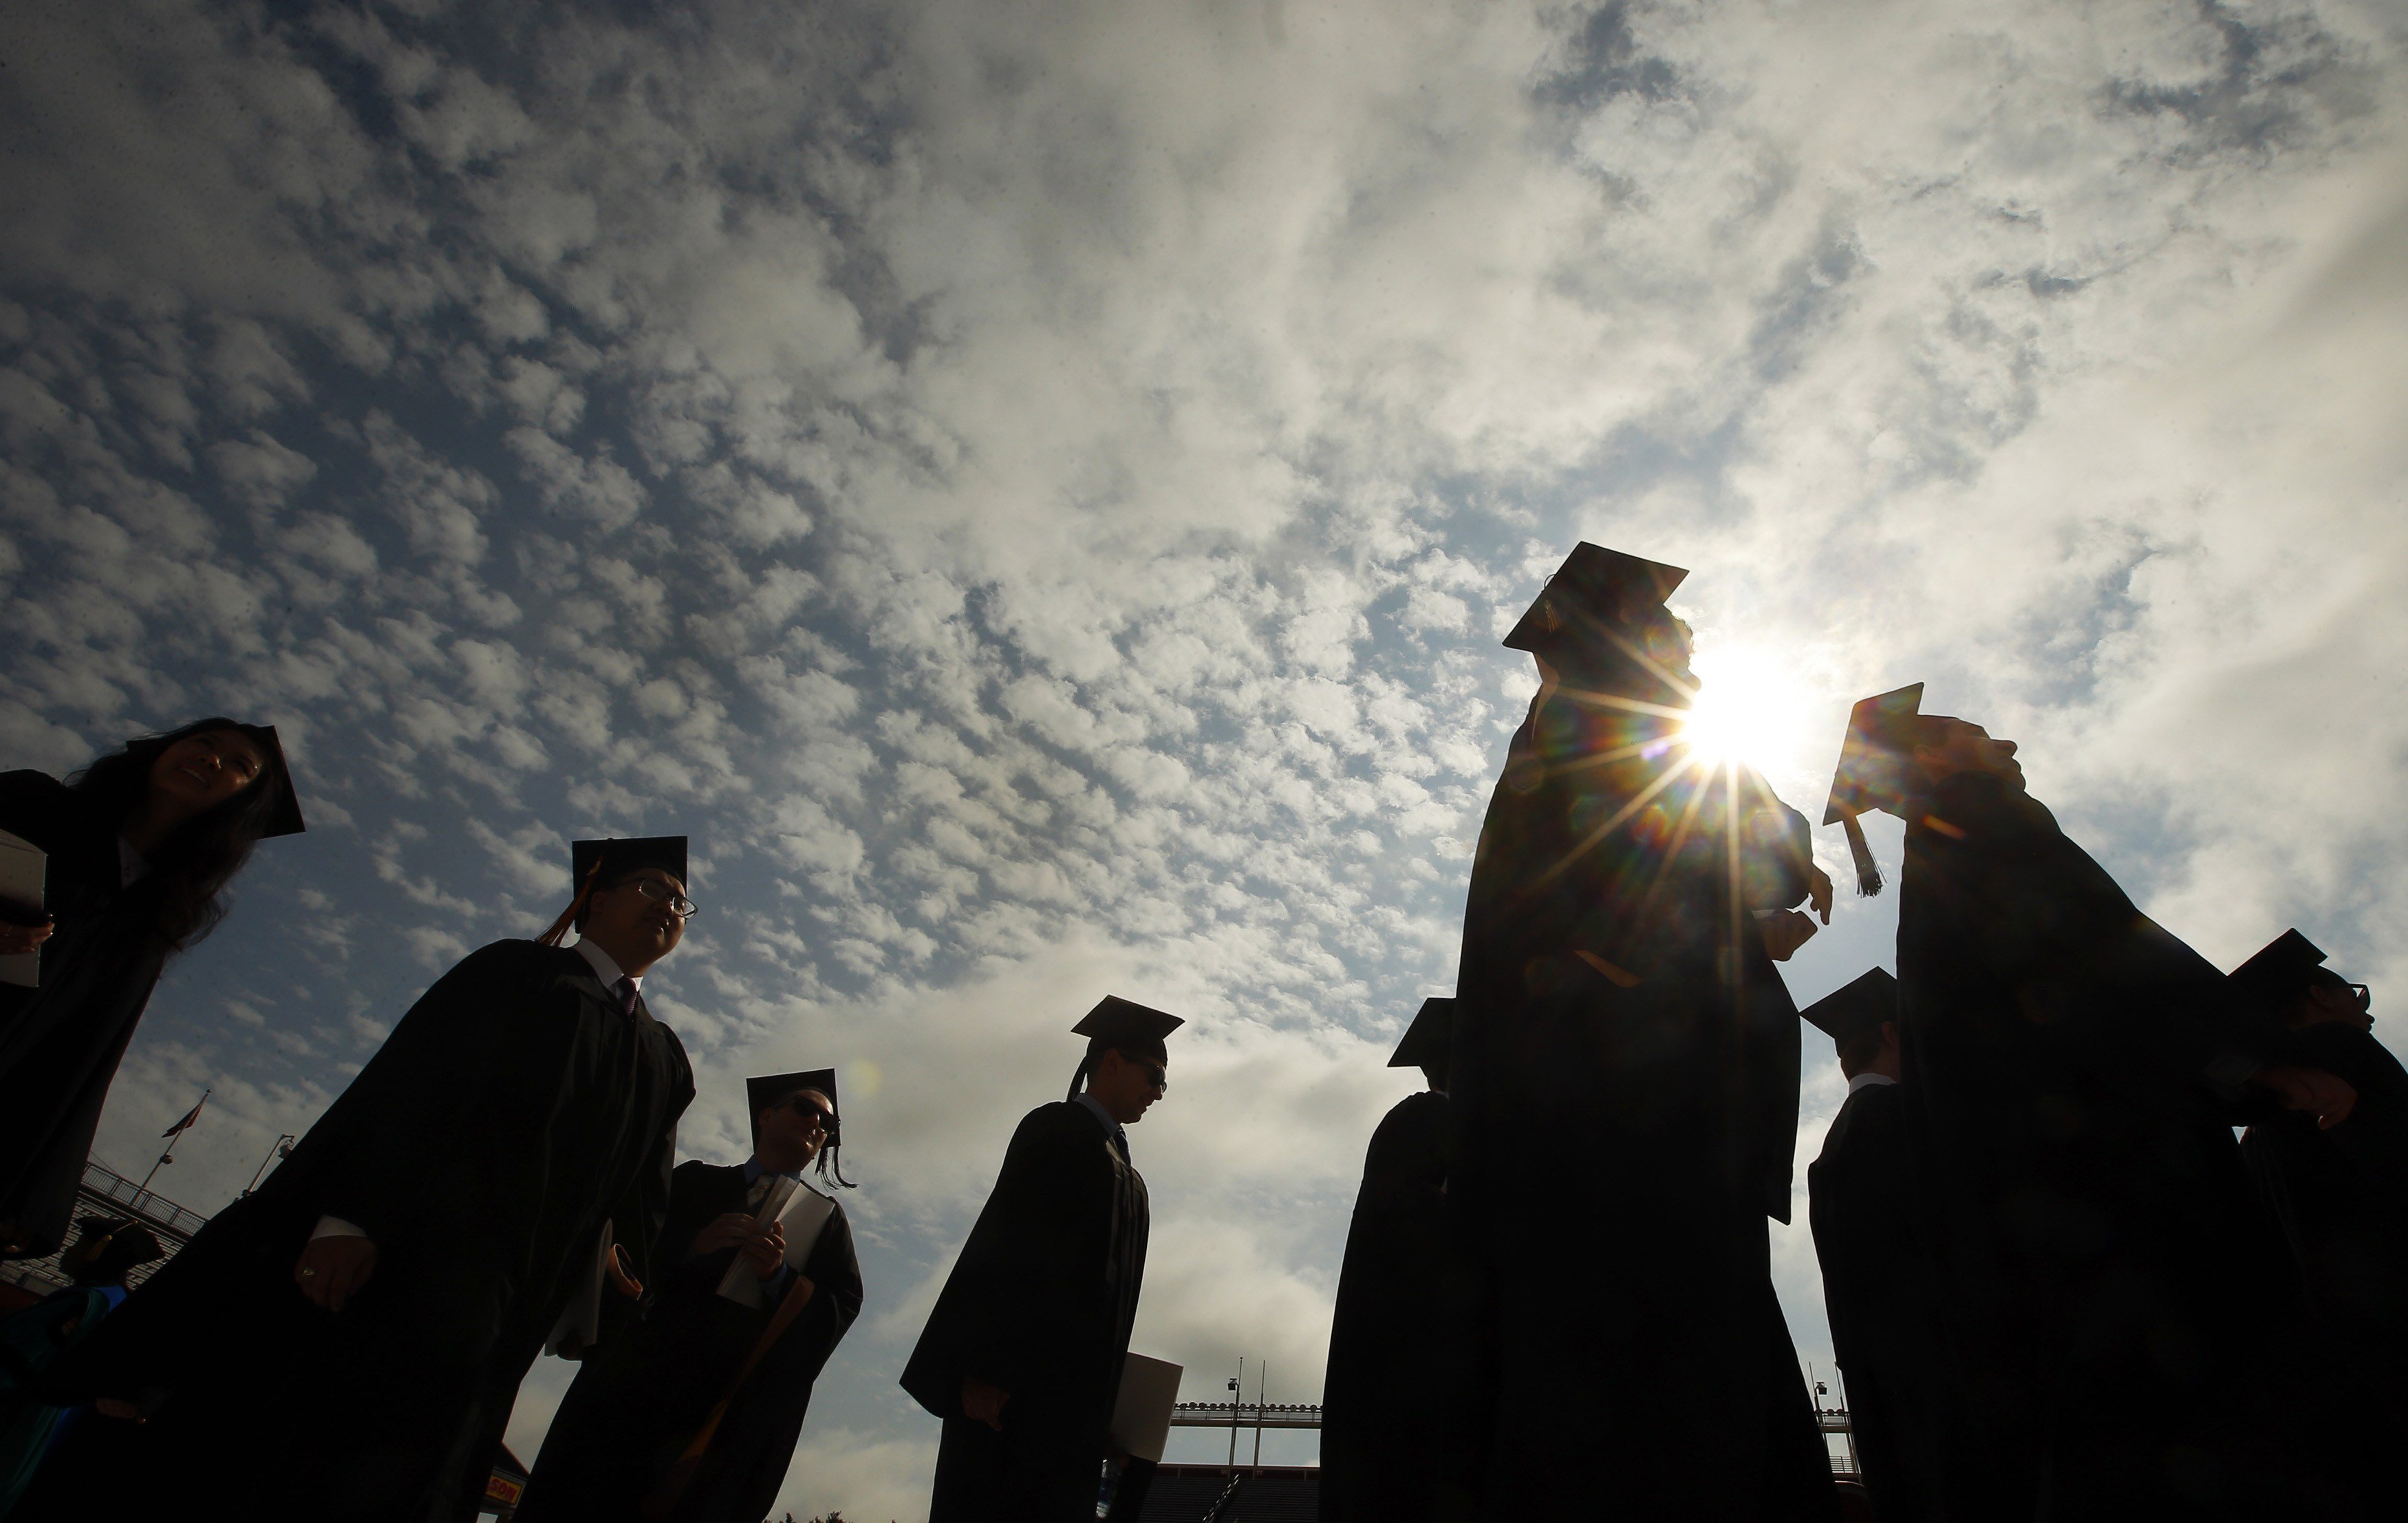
140, 848
354, 1331
725, 1380
1382, 1414
2072, 1076
1022, 1355
1624, 1085
1880, 1287
2341, 1194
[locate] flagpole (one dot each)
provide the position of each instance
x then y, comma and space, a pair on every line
174, 1134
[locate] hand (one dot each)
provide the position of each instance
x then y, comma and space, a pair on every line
733, 1231
982, 1403
331, 1271
1785, 932
15, 939
1818, 891
768, 1252
623, 1273
2313, 1090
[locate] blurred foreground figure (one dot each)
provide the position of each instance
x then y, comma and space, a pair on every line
1625, 1085
1022, 1355
2341, 1196
2071, 1076
37, 1337
140, 848
692, 1414
1383, 1405
1879, 1283
354, 1332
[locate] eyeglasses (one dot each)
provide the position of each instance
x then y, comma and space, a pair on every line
809, 1111
1155, 1075
661, 893
2365, 996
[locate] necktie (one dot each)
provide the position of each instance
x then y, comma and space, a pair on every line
760, 1190
625, 989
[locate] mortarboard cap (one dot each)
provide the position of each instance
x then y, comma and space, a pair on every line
2281, 972
1873, 770
1430, 1040
769, 1088
632, 854
1126, 1025
1854, 1008
1589, 588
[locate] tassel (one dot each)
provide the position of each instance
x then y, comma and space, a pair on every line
1078, 1080
1868, 878
559, 930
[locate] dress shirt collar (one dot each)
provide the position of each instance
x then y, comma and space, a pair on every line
754, 1169
1868, 1077
605, 970
1110, 1126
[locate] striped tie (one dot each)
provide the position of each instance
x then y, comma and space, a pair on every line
625, 989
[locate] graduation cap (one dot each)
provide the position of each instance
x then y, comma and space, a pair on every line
1430, 1040
1873, 770
1590, 587
284, 811
1121, 1026
1854, 1008
109, 1249
596, 864
2281, 972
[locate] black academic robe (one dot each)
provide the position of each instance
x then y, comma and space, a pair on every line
2072, 1074
2341, 1196
513, 1114
650, 1386
1624, 1079
1040, 1304
60, 1044
1383, 1408
1882, 1295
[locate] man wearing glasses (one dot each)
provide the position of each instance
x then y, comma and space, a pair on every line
644, 1401
1022, 1355
354, 1331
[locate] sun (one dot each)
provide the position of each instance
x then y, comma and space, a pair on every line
1748, 708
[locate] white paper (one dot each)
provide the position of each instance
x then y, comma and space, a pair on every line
1141, 1416
22, 867
802, 1211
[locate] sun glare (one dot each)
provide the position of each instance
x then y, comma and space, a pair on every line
1748, 710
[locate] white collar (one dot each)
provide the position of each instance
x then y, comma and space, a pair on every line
1868, 1077
1101, 1114
604, 969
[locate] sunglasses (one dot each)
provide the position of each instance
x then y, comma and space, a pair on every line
809, 1111
1154, 1074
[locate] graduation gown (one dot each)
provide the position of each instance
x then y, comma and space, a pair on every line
2341, 1198
60, 1044
1882, 1295
1040, 1303
1625, 1082
2072, 1075
650, 1386
513, 1114
1382, 1413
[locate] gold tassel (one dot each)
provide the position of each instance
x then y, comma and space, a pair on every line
568, 918
1868, 878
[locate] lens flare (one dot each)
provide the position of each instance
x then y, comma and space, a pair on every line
1748, 710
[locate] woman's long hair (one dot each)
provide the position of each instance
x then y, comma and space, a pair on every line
190, 869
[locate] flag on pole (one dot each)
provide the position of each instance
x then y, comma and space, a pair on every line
190, 1116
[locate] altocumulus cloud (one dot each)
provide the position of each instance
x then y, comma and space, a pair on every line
1034, 489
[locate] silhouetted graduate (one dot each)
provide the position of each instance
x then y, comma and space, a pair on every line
1625, 1085
1880, 1286
2072, 1076
140, 849
1022, 1355
1384, 1401
649, 1389
354, 1332
2341, 1196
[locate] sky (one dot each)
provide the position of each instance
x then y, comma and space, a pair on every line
1035, 489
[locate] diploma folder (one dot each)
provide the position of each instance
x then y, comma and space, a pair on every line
22, 867
802, 1211
1141, 1416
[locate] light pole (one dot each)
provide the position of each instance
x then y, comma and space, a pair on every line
1237, 1390
282, 1149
